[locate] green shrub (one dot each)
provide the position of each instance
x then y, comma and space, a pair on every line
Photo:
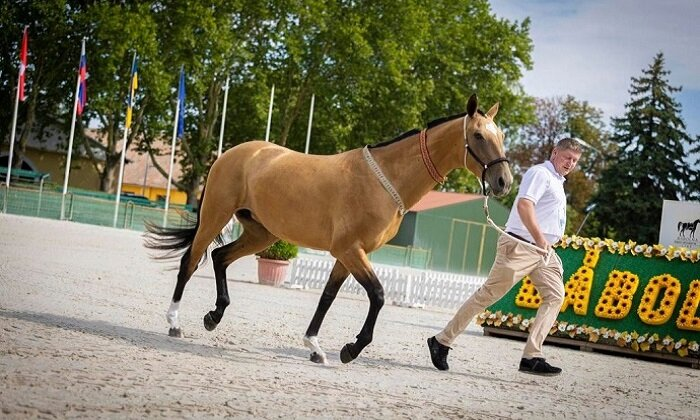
280, 250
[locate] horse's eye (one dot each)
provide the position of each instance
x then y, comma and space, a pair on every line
478, 136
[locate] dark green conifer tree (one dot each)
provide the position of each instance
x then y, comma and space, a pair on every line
651, 164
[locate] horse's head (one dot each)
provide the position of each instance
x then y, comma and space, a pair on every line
484, 151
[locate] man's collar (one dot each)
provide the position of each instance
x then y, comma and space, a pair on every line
549, 165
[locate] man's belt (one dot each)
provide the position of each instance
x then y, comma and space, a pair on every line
516, 236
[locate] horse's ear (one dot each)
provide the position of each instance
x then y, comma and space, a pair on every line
493, 111
472, 105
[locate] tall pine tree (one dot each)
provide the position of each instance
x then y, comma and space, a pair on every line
651, 164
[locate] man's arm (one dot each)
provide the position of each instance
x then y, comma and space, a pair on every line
526, 210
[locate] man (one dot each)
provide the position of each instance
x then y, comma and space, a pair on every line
538, 217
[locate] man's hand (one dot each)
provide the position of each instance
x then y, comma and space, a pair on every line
526, 210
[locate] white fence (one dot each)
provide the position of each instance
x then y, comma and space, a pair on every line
402, 286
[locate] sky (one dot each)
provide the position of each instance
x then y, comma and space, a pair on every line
591, 49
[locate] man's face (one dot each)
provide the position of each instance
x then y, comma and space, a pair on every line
564, 160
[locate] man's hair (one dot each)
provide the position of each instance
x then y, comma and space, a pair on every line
569, 143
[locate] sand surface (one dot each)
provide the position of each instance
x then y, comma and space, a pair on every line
83, 334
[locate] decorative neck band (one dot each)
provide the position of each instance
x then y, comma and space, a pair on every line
427, 161
383, 180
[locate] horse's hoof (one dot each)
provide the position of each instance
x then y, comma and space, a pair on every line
176, 332
346, 355
209, 322
318, 358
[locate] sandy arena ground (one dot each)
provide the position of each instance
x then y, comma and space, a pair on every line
83, 334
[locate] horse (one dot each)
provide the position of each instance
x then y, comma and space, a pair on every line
349, 204
689, 226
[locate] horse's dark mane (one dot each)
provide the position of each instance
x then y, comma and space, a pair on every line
431, 124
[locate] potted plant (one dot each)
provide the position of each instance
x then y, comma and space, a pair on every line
273, 262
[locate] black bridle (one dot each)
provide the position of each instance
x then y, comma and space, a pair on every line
486, 166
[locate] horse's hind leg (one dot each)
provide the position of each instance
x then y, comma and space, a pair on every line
357, 262
254, 238
335, 281
211, 221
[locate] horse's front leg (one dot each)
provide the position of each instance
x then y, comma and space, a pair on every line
363, 273
335, 281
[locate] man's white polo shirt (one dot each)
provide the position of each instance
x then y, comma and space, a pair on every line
543, 186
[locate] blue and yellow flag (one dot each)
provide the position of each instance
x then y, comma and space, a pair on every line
132, 91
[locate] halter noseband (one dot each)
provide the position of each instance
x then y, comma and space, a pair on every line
468, 151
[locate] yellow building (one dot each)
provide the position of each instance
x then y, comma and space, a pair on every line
141, 177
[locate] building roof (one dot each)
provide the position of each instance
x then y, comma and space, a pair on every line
53, 138
139, 170
435, 199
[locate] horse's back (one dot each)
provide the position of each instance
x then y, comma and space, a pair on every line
258, 161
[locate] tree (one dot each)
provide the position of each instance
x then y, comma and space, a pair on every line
377, 69
694, 184
650, 165
53, 28
117, 32
201, 38
380, 68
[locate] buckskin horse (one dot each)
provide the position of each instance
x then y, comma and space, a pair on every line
349, 204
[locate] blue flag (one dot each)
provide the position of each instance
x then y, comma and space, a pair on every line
181, 104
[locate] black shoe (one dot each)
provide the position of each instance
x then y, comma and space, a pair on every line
537, 366
438, 353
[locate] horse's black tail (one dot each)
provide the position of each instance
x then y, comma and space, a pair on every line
175, 240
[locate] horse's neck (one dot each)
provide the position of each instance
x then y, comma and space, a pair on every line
403, 165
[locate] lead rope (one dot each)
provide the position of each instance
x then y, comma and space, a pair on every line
383, 180
546, 255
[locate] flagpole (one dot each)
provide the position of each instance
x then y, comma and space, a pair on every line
269, 114
70, 138
123, 157
172, 162
119, 179
14, 128
223, 118
311, 118
12, 146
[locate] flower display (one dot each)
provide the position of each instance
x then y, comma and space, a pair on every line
527, 296
592, 255
658, 304
671, 288
689, 318
577, 290
621, 248
630, 340
616, 300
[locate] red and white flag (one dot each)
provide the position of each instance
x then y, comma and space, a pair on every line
22, 64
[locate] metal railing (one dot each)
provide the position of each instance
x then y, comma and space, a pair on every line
28, 200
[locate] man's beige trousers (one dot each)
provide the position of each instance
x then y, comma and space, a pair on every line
513, 262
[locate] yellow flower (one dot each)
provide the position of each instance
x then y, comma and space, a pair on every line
663, 313
670, 253
621, 248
